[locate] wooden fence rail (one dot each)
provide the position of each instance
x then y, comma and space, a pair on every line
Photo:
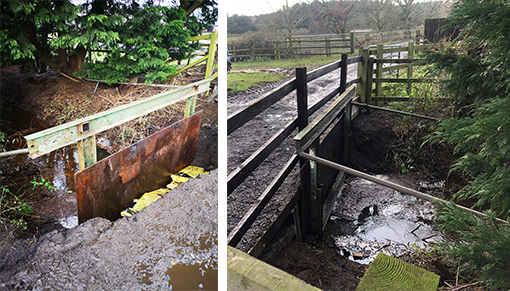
328, 45
240, 117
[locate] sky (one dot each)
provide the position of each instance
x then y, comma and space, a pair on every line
253, 7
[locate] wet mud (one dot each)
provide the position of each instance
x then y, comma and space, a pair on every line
171, 245
369, 218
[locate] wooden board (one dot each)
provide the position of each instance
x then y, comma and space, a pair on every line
247, 273
388, 273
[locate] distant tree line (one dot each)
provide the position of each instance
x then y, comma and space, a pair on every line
339, 16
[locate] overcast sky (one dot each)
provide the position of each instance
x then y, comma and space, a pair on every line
253, 7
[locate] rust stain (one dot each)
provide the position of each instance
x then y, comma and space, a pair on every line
109, 186
150, 146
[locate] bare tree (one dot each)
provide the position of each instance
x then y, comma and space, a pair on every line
408, 11
378, 13
433, 8
287, 19
334, 15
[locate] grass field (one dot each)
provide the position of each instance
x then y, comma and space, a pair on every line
240, 81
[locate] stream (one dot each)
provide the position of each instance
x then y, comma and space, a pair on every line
369, 218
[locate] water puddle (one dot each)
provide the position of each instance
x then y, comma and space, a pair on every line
369, 218
18, 173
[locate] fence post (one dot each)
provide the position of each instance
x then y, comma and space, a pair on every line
192, 101
304, 202
352, 42
211, 54
328, 47
410, 55
343, 73
378, 72
362, 73
347, 115
368, 87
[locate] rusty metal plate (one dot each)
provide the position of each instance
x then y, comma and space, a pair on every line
109, 186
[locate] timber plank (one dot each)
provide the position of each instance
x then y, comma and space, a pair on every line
244, 224
305, 138
243, 115
247, 273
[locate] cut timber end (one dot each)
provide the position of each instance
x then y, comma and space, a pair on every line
388, 273
247, 273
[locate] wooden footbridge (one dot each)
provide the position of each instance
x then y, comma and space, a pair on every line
322, 145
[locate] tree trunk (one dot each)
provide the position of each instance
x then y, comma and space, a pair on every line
76, 60
190, 5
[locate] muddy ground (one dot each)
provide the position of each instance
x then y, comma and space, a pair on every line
54, 99
170, 244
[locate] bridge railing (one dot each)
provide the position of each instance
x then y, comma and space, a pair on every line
242, 116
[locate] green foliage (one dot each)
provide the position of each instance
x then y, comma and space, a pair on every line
479, 70
149, 37
136, 39
477, 67
13, 208
485, 140
484, 245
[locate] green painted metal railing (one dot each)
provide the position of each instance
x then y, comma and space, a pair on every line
83, 131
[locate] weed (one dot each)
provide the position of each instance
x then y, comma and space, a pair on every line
2, 140
13, 208
43, 182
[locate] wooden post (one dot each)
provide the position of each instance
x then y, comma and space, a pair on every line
378, 72
352, 42
302, 216
328, 47
362, 73
346, 130
368, 86
410, 55
302, 98
87, 153
343, 73
211, 54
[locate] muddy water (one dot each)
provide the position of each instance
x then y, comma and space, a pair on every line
369, 218
57, 167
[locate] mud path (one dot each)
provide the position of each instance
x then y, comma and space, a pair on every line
248, 138
172, 244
